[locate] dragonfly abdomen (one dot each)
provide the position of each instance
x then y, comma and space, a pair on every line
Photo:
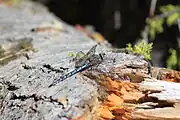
79, 69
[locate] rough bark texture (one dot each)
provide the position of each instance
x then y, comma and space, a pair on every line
40, 54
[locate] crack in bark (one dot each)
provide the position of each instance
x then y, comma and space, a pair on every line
49, 67
36, 98
27, 67
9, 85
160, 103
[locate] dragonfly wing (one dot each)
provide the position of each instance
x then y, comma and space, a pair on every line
84, 59
92, 50
80, 54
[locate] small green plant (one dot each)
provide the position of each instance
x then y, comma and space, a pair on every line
141, 48
155, 26
172, 61
174, 13
169, 15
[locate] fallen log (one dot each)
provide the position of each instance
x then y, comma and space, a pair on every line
119, 88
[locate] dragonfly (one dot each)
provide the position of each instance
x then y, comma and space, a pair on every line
82, 63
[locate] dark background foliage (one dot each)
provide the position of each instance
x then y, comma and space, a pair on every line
132, 15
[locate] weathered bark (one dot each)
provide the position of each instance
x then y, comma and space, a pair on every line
40, 54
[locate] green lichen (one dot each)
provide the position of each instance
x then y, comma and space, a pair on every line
12, 2
71, 54
77, 55
2, 51
25, 44
16, 50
